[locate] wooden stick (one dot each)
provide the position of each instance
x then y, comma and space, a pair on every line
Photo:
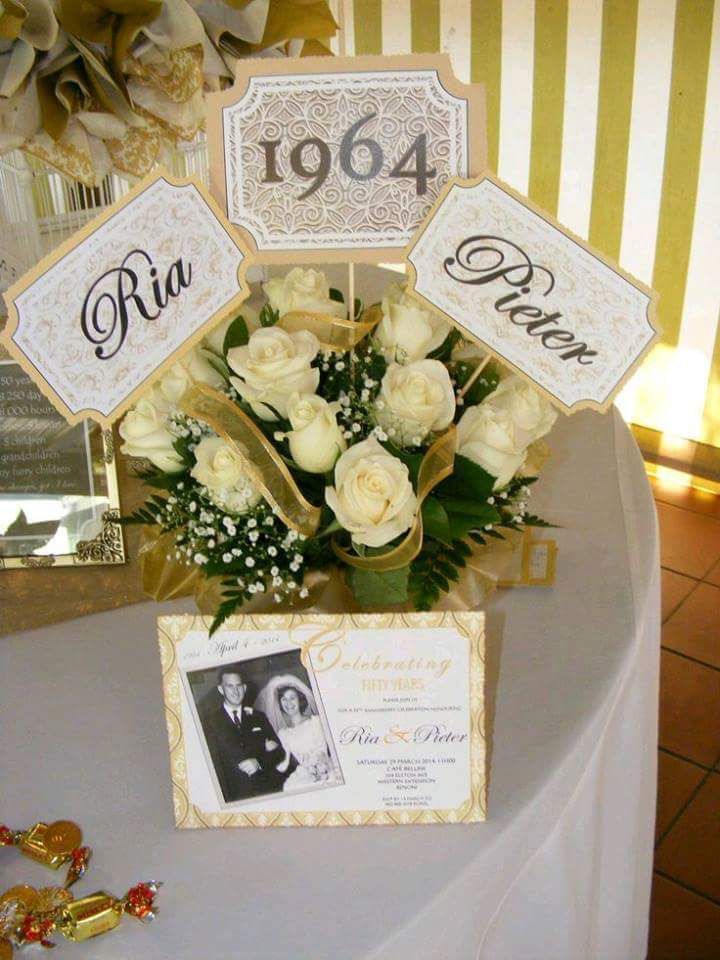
351, 291
475, 374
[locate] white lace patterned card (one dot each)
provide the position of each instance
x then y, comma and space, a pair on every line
301, 719
95, 321
332, 158
532, 293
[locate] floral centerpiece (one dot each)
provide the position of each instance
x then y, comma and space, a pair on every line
300, 438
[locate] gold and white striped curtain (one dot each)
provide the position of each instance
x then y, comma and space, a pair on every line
607, 113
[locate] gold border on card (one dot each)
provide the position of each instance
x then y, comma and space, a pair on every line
471, 624
27, 280
652, 295
473, 93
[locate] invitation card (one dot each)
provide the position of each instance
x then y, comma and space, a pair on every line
325, 719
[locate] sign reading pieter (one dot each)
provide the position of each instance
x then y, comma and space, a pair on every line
333, 158
95, 321
532, 293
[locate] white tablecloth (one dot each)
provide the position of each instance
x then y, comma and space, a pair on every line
561, 869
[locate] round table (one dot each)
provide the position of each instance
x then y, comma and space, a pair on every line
562, 867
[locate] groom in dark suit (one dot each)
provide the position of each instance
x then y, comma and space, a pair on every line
248, 757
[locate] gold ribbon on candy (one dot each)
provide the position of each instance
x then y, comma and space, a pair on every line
260, 460
437, 464
333, 333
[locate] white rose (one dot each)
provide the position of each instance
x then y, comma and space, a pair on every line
272, 366
177, 380
373, 497
316, 440
216, 338
414, 400
488, 436
407, 331
219, 468
144, 430
532, 415
302, 290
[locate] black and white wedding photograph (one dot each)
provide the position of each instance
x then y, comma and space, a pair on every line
263, 727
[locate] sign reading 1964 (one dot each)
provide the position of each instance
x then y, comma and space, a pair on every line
328, 158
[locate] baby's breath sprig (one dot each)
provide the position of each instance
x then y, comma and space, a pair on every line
353, 379
255, 549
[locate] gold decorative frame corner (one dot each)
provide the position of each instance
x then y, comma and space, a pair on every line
106, 547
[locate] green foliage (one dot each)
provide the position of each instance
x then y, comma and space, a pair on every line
466, 515
236, 335
268, 316
411, 460
481, 388
232, 602
468, 480
216, 362
345, 377
337, 295
182, 447
160, 480
375, 588
436, 522
434, 570
151, 512
445, 349
530, 520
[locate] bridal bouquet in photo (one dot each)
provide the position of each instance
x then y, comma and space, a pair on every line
306, 441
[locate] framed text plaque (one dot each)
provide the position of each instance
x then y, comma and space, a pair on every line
59, 503
326, 158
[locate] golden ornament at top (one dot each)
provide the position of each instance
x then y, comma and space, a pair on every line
62, 837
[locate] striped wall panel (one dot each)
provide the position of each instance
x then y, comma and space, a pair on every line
607, 113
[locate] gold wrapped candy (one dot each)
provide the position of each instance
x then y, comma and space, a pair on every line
28, 915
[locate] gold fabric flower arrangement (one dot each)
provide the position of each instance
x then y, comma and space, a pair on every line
95, 86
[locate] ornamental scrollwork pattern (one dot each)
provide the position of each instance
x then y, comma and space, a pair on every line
107, 546
37, 562
108, 446
367, 211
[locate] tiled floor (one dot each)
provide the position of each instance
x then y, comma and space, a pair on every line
685, 914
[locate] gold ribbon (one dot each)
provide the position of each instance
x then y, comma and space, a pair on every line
12, 19
260, 460
114, 23
333, 333
163, 578
297, 20
437, 464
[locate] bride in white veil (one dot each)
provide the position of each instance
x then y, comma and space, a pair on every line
290, 706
